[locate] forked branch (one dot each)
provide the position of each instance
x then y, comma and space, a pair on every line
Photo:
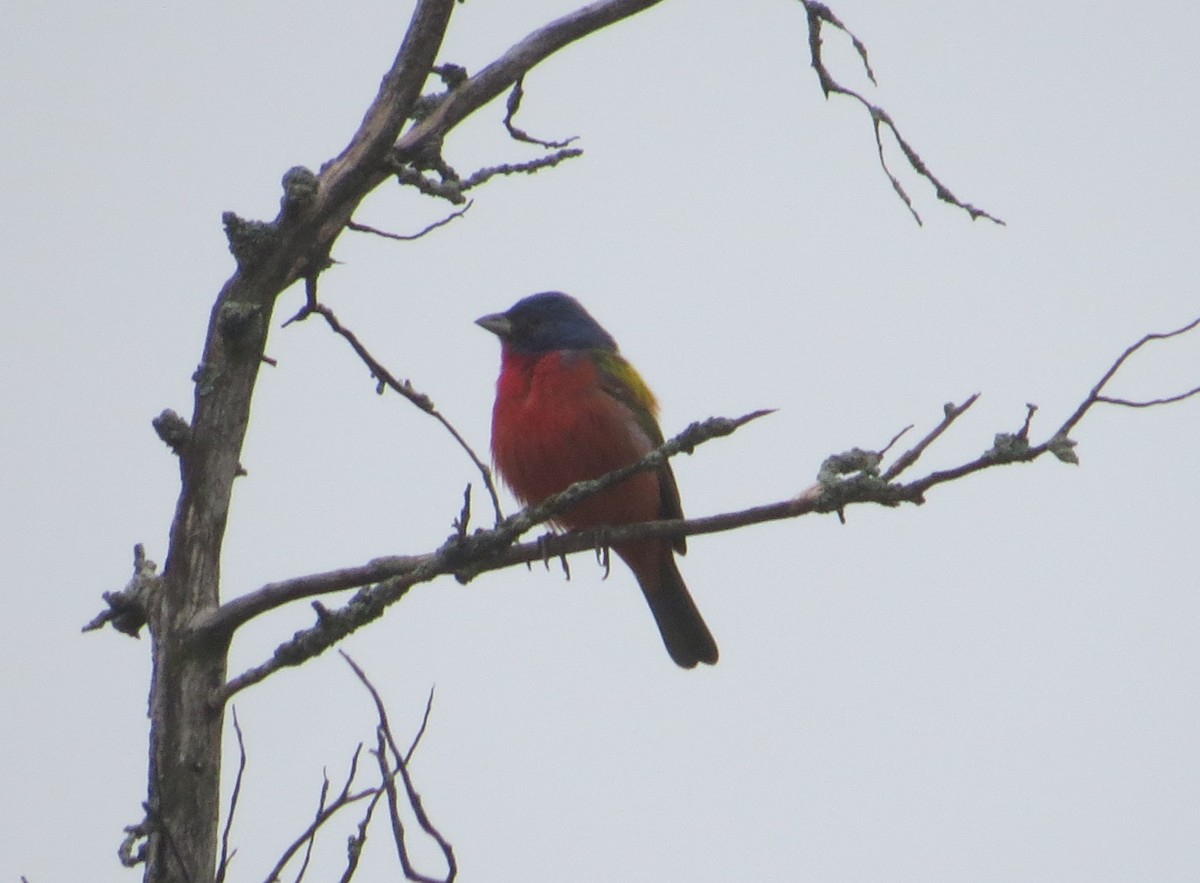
820, 15
392, 764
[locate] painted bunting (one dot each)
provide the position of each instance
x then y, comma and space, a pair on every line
570, 408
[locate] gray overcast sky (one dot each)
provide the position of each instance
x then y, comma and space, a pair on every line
997, 686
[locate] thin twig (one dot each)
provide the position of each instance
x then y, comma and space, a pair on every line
1030, 410
421, 731
312, 837
524, 168
463, 521
895, 438
226, 855
512, 106
409, 237
952, 412
355, 844
1095, 397
387, 777
385, 379
1126, 403
494, 79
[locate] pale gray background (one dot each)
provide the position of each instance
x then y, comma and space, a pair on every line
1000, 685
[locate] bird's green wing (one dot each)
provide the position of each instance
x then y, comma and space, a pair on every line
621, 381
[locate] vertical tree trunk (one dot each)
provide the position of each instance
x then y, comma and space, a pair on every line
185, 764
185, 731
183, 802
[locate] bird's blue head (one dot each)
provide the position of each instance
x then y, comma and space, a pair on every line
548, 321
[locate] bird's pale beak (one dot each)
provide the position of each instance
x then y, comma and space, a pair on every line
497, 323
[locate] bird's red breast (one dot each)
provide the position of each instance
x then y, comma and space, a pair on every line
554, 424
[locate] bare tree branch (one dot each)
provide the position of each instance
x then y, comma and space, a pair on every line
226, 855
953, 412
1094, 397
409, 237
342, 179
503, 73
311, 841
820, 14
448, 188
356, 842
524, 168
328, 808
1151, 402
387, 741
511, 108
457, 551
412, 748
387, 380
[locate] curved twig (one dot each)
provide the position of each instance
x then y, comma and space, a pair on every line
410, 237
387, 380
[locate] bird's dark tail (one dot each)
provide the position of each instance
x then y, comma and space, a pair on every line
684, 633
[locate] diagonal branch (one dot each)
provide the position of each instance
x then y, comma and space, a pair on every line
504, 72
459, 549
412, 748
818, 15
358, 840
909, 457
342, 178
1095, 397
386, 379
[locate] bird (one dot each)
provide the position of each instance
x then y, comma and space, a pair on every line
570, 408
